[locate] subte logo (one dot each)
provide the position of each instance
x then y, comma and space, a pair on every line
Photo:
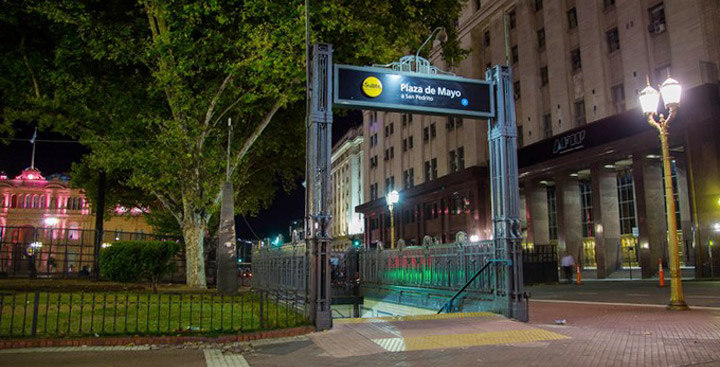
372, 87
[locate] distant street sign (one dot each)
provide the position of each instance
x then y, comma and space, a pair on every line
386, 89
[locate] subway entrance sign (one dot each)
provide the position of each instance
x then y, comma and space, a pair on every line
390, 90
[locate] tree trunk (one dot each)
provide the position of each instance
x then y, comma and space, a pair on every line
193, 233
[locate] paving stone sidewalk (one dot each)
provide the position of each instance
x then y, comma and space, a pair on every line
593, 335
590, 335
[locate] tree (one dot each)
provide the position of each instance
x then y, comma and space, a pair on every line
148, 87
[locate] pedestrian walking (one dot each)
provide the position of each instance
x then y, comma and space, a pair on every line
567, 262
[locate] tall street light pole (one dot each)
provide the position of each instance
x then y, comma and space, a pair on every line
443, 38
649, 98
392, 198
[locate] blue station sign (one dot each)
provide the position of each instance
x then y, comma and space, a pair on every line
385, 89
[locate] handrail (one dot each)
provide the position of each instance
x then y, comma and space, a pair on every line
449, 303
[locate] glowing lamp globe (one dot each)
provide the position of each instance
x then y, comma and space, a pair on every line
671, 91
649, 98
392, 197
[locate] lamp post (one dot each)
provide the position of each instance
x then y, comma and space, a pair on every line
649, 98
443, 38
392, 198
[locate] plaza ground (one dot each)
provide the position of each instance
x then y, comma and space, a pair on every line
567, 328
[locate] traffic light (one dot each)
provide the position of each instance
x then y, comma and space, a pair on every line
356, 243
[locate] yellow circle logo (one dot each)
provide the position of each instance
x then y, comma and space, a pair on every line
372, 87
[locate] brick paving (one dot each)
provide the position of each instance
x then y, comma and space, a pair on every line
592, 335
597, 335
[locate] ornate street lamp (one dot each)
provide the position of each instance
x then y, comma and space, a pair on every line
442, 36
392, 198
649, 98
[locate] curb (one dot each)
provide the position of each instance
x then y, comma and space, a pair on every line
138, 340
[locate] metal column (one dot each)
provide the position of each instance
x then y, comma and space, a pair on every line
318, 189
502, 139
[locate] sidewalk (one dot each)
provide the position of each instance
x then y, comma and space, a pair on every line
591, 335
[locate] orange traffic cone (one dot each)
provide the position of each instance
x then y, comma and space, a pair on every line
661, 273
579, 277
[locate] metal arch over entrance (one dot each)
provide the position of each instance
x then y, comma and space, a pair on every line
434, 92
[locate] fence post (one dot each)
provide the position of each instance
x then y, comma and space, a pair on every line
36, 302
261, 309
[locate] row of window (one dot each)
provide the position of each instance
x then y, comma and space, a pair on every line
34, 201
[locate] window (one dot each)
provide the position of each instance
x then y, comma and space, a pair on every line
512, 19
516, 89
433, 168
552, 213
452, 160
608, 3
389, 184
657, 19
426, 134
453, 122
626, 201
373, 117
373, 161
428, 171
547, 124
433, 132
544, 76
541, 38
572, 18
486, 38
478, 5
405, 145
538, 5
580, 112
520, 136
618, 96
373, 191
461, 158
408, 179
387, 131
586, 209
387, 154
373, 140
515, 54
575, 60
613, 40
410, 142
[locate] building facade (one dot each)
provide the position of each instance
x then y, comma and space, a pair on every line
591, 179
56, 221
347, 178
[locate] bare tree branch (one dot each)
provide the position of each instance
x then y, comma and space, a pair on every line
36, 87
171, 207
213, 102
256, 133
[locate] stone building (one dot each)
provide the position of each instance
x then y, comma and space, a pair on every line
347, 185
591, 177
55, 219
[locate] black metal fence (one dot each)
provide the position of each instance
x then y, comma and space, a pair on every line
65, 253
540, 264
58, 314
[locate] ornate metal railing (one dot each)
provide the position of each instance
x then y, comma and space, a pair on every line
281, 267
446, 266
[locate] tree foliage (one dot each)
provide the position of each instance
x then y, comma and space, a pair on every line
149, 85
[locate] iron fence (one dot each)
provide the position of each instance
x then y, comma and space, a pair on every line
54, 252
58, 314
446, 266
281, 268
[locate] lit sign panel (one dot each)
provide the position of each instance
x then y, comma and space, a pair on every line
384, 89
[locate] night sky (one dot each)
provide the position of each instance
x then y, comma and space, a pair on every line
57, 157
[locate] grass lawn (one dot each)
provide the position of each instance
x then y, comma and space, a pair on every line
134, 312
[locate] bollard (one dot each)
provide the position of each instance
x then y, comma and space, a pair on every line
661, 274
579, 277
